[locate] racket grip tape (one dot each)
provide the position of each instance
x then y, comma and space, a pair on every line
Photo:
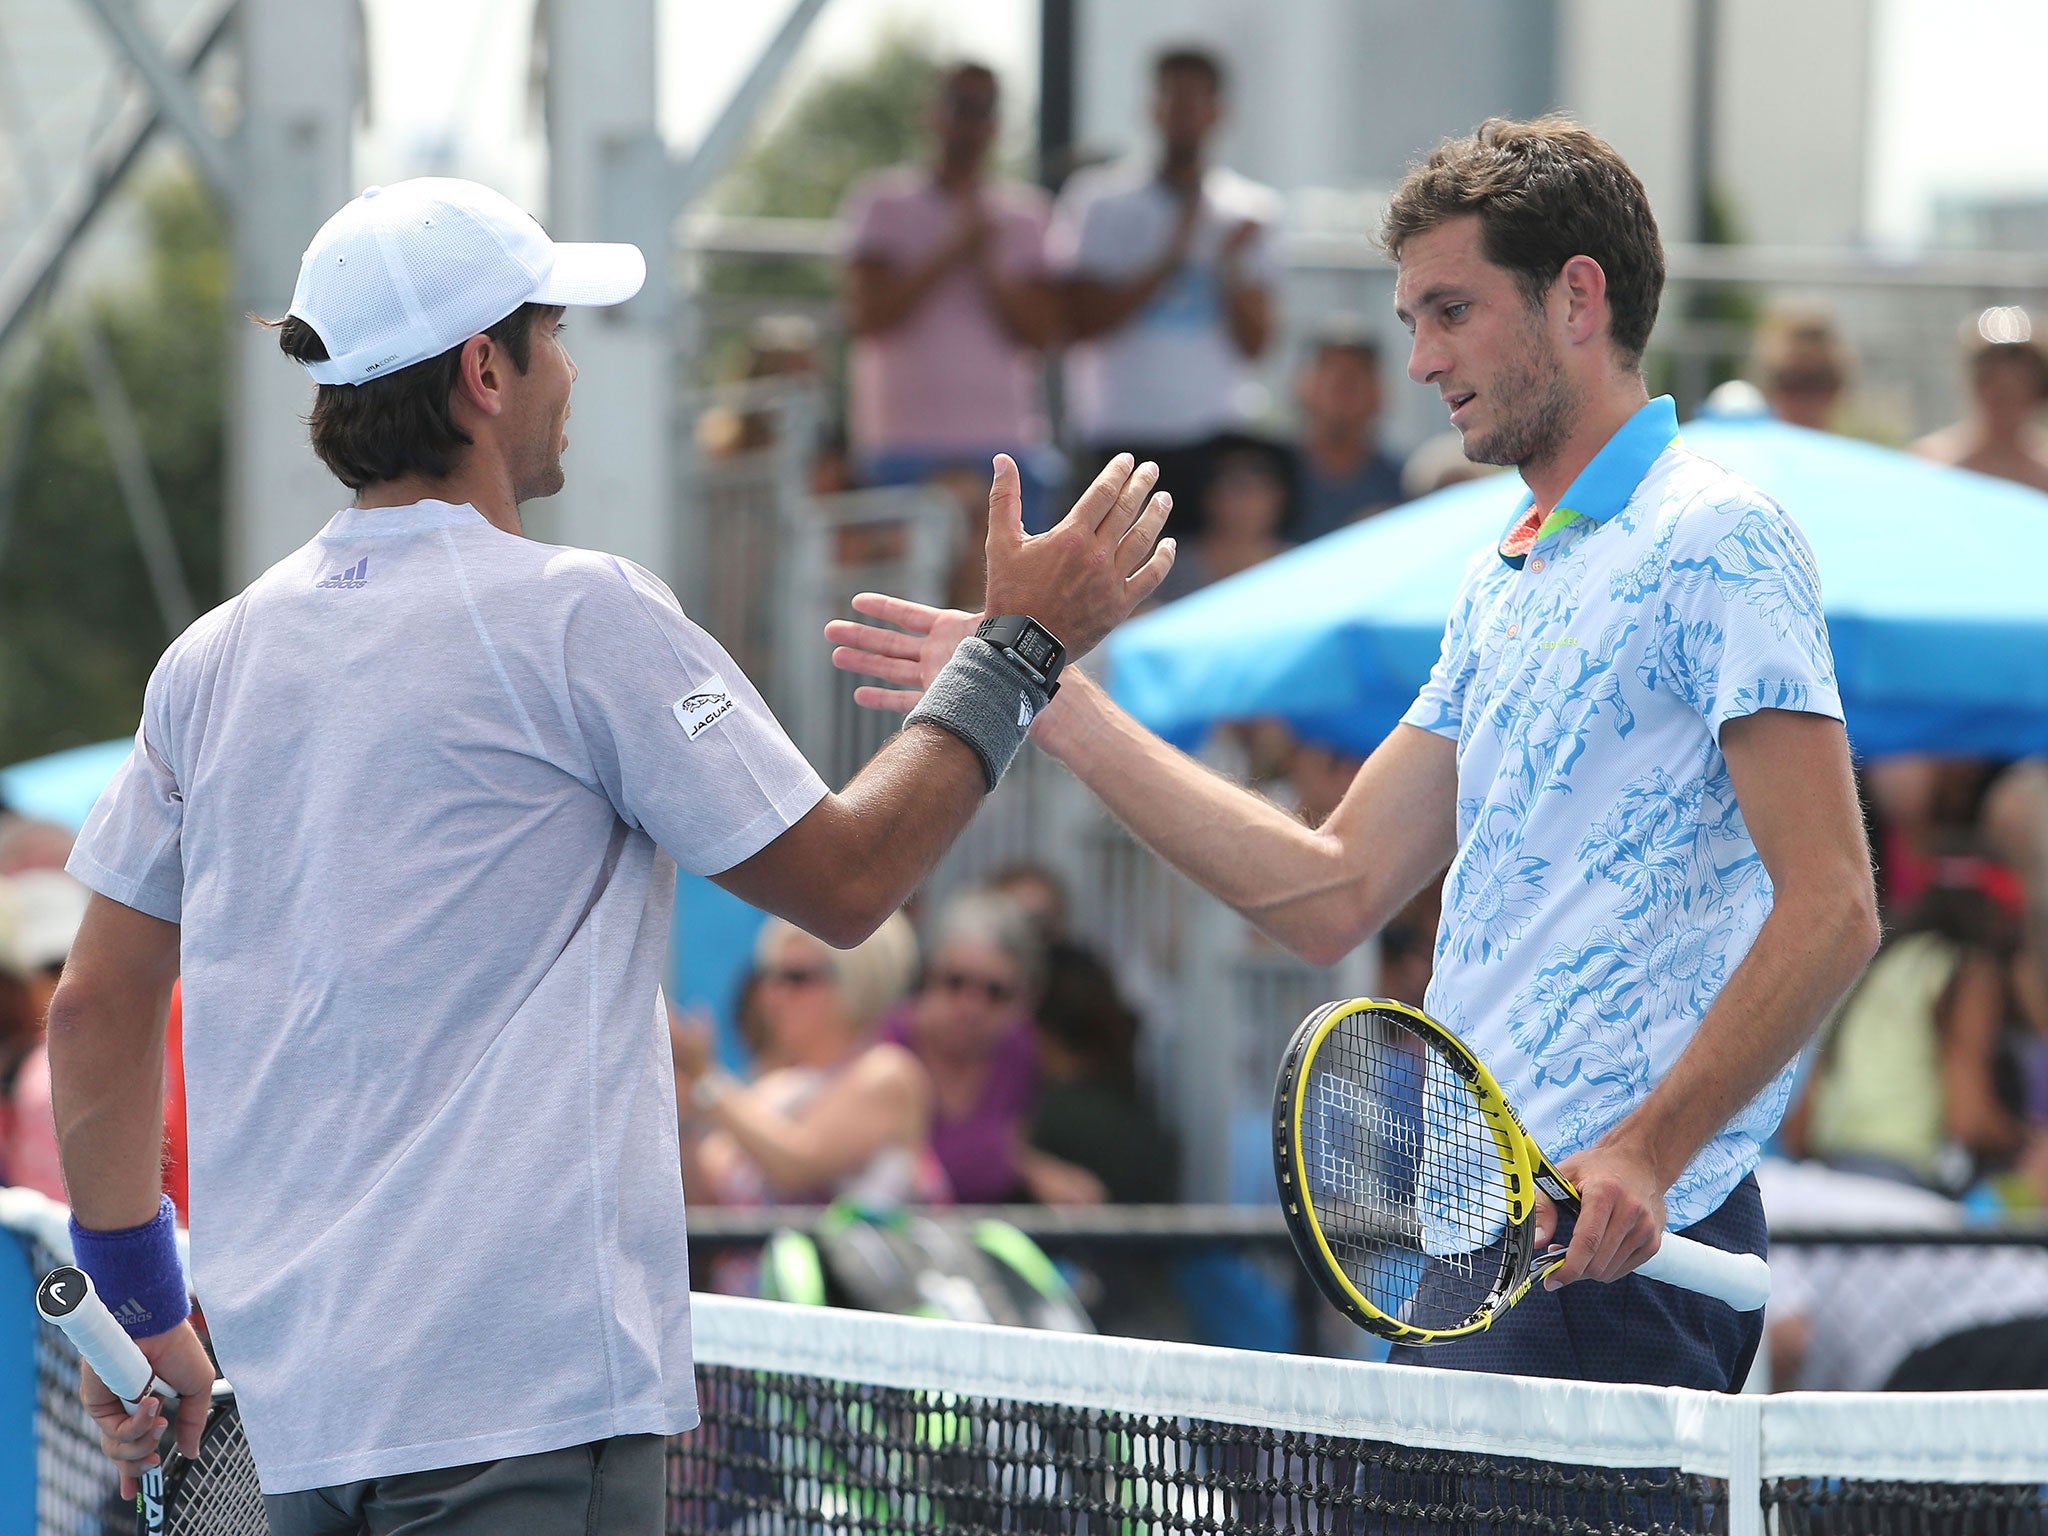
1741, 1279
66, 1299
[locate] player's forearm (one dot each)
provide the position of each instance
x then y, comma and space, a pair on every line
889, 826
1297, 885
1806, 956
107, 1083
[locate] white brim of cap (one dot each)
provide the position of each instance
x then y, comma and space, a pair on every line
592, 274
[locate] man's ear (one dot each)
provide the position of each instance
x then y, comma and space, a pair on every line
1583, 287
480, 376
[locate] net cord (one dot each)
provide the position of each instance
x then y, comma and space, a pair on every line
1960, 1437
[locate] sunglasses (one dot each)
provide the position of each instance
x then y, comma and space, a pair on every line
961, 981
796, 976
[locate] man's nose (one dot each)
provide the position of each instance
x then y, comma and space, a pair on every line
1426, 359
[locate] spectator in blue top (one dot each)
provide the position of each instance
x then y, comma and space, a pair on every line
1343, 472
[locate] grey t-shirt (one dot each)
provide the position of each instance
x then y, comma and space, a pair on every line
414, 797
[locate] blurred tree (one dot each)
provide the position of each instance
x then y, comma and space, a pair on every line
79, 626
846, 125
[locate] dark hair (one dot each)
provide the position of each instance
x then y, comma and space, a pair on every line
2005, 354
960, 69
1190, 61
403, 423
1544, 191
1082, 1010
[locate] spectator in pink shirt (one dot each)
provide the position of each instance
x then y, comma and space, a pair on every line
949, 307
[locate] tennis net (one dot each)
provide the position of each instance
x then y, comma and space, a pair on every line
825, 1421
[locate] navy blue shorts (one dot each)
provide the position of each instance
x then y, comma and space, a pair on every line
1632, 1330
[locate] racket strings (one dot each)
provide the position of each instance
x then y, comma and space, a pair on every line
1404, 1174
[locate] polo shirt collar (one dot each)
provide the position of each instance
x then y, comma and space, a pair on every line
1607, 482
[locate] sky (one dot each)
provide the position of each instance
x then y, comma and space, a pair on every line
1954, 82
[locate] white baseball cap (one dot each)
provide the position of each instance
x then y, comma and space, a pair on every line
405, 272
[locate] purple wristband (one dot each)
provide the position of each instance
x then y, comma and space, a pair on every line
137, 1272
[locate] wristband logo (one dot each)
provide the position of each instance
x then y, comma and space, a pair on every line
704, 706
1023, 711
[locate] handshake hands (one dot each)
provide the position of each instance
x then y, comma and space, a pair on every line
1080, 579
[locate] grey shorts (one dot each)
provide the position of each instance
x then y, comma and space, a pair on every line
607, 1488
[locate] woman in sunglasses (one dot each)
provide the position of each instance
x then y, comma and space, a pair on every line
836, 1112
970, 1027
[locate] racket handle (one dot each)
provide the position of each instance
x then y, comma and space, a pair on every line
1741, 1279
66, 1298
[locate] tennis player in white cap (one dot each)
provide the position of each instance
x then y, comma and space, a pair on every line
407, 813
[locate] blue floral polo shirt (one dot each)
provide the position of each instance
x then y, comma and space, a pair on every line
1605, 886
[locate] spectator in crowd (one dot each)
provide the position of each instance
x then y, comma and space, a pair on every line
841, 1114
782, 354
1408, 947
1343, 472
1244, 509
2008, 386
1168, 267
1093, 1113
950, 308
1803, 367
1914, 1080
1319, 776
2015, 832
48, 907
26, 843
1036, 892
970, 1027
1908, 1318
1438, 463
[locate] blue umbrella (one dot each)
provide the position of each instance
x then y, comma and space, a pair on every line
1935, 602
63, 786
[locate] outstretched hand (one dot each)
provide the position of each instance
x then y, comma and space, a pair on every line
1079, 579
907, 657
1083, 576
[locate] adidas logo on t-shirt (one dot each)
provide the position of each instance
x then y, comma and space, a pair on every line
356, 575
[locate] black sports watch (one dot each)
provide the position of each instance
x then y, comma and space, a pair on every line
1029, 646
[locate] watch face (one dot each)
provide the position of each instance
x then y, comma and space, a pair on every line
1035, 646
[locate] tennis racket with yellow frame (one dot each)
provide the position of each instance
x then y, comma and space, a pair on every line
1409, 1184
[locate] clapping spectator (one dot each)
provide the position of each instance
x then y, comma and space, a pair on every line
949, 307
1244, 510
2008, 386
842, 1115
1168, 266
1343, 471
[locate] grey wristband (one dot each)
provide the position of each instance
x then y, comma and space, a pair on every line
985, 701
